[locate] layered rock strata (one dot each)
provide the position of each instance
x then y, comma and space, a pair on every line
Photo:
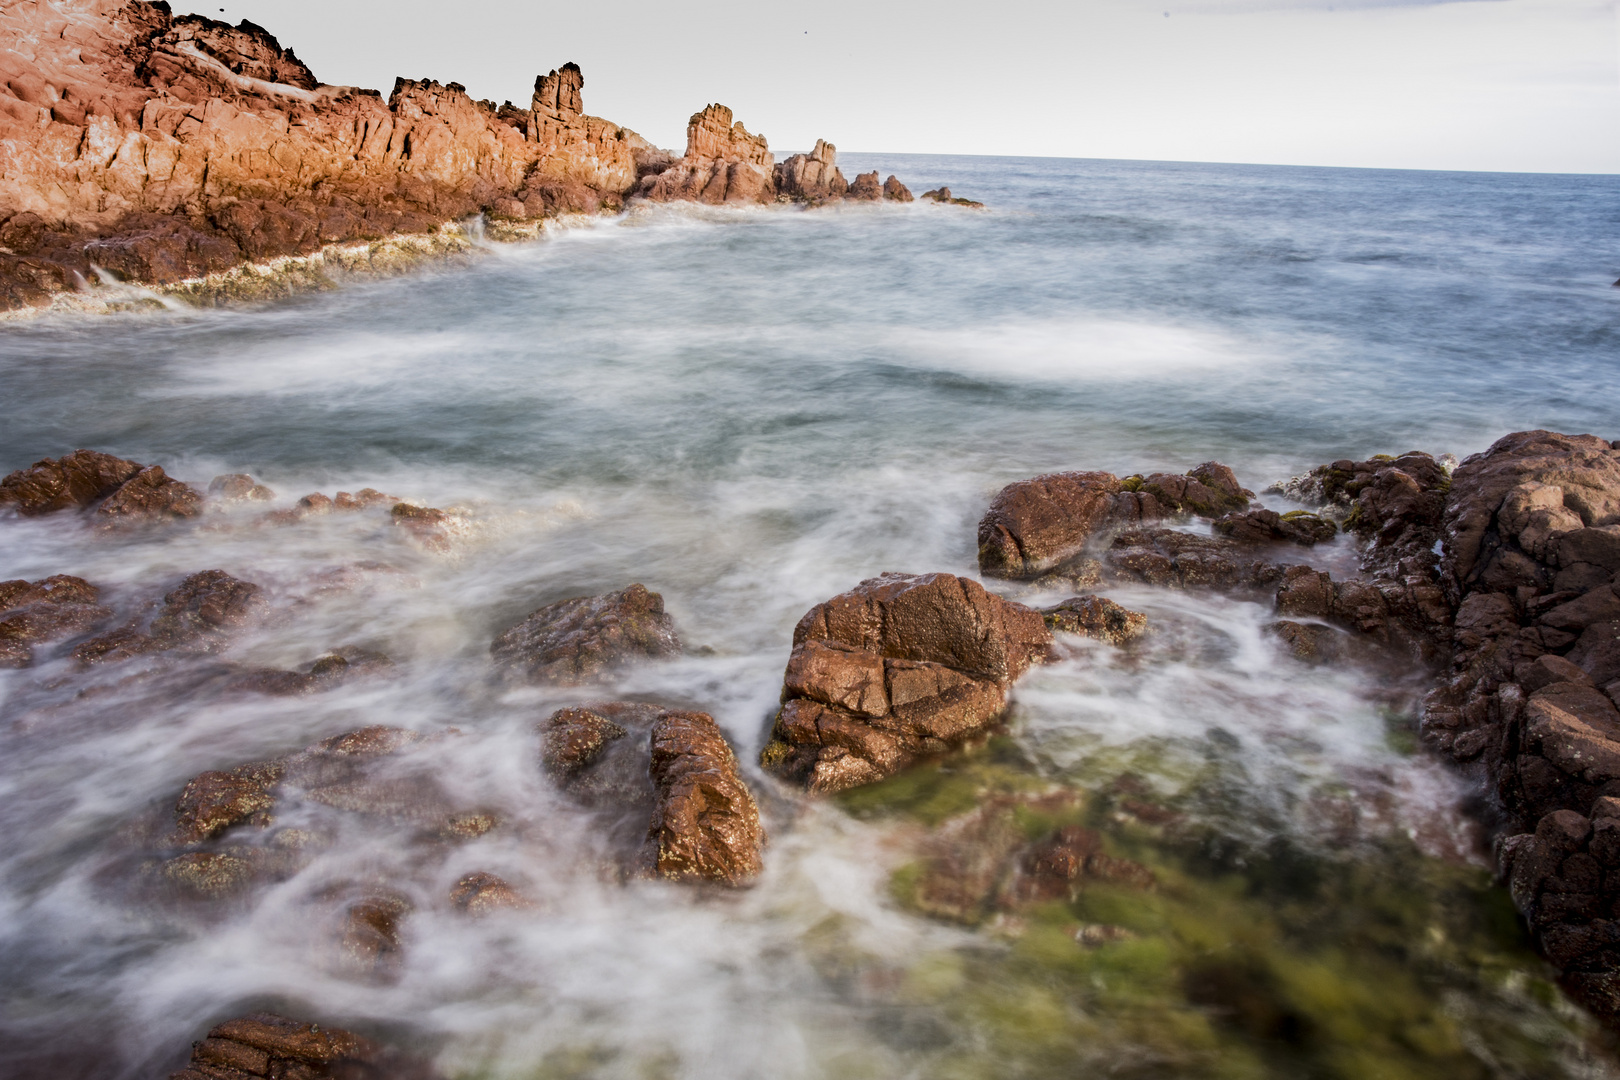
901, 667
664, 784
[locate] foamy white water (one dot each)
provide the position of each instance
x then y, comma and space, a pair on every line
750, 412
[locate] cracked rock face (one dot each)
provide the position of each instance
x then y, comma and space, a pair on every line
898, 668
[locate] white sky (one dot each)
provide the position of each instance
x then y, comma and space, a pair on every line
1516, 85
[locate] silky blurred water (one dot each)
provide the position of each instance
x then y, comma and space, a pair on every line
748, 411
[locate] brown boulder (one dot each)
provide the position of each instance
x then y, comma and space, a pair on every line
1096, 617
1543, 483
900, 667
32, 613
579, 640
575, 739
1034, 525
150, 495
268, 1045
705, 826
895, 191
73, 481
215, 801
669, 799
865, 186
1310, 642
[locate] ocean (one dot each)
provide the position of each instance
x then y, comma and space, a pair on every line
749, 411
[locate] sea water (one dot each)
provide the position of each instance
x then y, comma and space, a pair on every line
749, 411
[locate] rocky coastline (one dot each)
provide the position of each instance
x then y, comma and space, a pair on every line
205, 161
1497, 576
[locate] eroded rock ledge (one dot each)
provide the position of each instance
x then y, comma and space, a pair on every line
160, 148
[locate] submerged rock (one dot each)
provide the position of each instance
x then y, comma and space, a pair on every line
1310, 642
583, 639
479, 894
1034, 525
199, 615
371, 942
665, 786
325, 672
269, 1045
32, 613
1096, 617
237, 488
984, 862
1186, 560
900, 667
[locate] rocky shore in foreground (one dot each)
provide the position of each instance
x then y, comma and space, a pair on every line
143, 147
1498, 576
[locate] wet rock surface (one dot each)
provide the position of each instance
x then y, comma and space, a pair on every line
1034, 525
199, 615
584, 639
900, 667
1261, 525
1395, 504
273, 1046
122, 492
1096, 617
664, 787
36, 612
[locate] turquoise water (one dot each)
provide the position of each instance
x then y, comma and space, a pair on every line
749, 411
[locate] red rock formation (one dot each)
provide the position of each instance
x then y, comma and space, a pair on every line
723, 163
163, 147
812, 177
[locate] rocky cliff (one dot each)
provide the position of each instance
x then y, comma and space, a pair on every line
161, 148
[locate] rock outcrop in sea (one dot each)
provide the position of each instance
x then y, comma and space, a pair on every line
1502, 577
156, 148
901, 667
